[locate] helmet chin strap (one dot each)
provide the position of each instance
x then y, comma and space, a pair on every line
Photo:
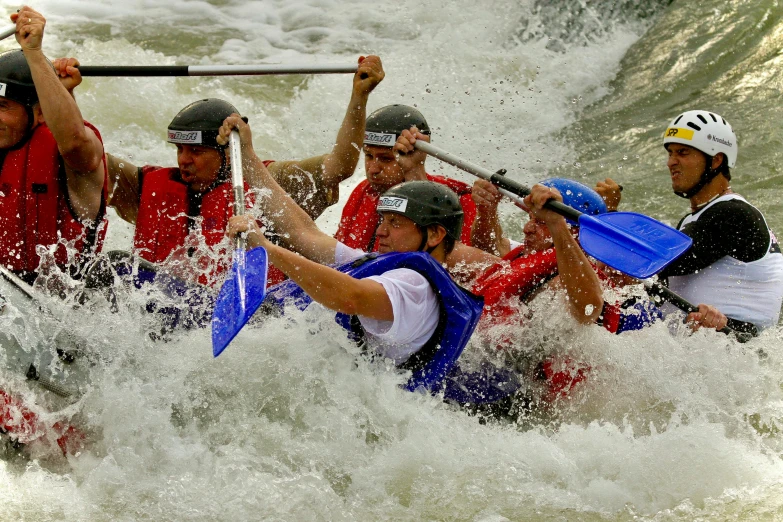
424, 238
708, 175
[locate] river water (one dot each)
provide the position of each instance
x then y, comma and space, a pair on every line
288, 424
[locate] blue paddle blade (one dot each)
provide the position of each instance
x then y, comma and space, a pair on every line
631, 243
239, 298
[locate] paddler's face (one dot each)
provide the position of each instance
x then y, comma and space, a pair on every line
537, 236
13, 123
199, 166
383, 171
686, 165
396, 233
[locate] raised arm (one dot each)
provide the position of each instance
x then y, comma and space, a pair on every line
79, 146
314, 183
296, 229
575, 273
341, 162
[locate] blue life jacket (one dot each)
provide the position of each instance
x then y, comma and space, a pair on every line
459, 313
637, 314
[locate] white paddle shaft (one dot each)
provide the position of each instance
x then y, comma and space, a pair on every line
8, 31
237, 180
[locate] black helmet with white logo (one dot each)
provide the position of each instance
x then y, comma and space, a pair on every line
199, 123
16, 80
385, 125
425, 203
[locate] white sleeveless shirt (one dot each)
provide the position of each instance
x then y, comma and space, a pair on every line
751, 292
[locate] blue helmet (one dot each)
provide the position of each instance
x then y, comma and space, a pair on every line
577, 196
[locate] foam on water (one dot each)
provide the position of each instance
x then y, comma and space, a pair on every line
289, 423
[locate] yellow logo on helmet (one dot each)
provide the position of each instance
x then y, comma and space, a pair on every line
678, 132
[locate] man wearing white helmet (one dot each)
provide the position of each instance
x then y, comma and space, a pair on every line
735, 262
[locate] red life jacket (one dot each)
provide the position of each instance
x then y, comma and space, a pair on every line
360, 218
517, 275
35, 208
611, 314
163, 224
25, 426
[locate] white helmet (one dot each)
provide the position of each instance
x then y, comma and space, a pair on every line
705, 131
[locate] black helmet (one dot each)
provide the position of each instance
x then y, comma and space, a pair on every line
387, 123
425, 203
16, 81
199, 122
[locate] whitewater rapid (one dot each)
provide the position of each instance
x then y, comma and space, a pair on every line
290, 423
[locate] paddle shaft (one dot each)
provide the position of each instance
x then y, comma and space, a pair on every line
657, 289
214, 70
507, 187
244, 290
18, 283
8, 31
238, 182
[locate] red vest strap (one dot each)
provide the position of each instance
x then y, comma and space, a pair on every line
359, 218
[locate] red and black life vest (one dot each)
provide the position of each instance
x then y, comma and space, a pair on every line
360, 218
163, 223
35, 208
